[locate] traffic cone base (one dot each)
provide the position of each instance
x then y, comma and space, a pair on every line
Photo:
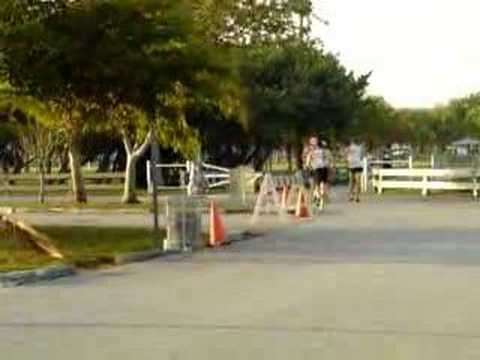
284, 203
301, 210
217, 230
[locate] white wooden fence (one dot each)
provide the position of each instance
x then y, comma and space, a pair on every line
216, 176
370, 164
426, 179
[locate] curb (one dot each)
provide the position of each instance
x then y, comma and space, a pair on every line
140, 256
18, 278
27, 277
241, 236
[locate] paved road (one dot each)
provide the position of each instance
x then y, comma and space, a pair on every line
392, 278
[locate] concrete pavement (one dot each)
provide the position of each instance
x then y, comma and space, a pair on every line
391, 278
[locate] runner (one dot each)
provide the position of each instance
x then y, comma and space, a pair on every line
354, 154
317, 160
330, 163
306, 173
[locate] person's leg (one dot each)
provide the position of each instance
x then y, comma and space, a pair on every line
318, 195
324, 184
358, 179
326, 190
351, 184
316, 184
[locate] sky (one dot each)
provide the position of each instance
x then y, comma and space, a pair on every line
421, 52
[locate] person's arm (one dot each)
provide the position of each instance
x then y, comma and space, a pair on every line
308, 160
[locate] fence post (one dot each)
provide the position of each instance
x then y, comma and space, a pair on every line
379, 184
149, 178
410, 162
365, 175
475, 187
425, 186
183, 180
432, 161
156, 229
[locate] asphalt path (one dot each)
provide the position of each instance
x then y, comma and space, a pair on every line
390, 278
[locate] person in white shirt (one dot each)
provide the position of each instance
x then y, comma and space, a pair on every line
354, 154
318, 160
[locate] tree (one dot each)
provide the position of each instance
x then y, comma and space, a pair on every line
31, 124
297, 90
159, 72
41, 142
252, 23
378, 123
40, 60
91, 60
428, 128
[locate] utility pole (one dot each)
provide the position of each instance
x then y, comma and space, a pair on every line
154, 155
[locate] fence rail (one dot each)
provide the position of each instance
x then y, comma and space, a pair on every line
426, 179
59, 182
216, 176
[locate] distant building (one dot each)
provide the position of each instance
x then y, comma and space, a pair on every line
400, 151
465, 146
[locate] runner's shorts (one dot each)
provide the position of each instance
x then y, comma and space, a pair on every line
320, 175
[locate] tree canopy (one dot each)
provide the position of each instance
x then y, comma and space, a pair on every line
235, 79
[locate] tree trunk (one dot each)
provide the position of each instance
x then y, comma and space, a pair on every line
129, 192
18, 163
78, 185
41, 193
64, 161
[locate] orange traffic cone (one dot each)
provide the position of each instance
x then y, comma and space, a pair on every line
301, 211
284, 203
217, 230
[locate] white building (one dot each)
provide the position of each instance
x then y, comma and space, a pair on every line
465, 146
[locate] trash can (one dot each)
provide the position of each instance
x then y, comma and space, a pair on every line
241, 184
184, 226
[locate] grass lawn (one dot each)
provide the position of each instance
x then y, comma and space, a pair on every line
83, 246
87, 246
17, 255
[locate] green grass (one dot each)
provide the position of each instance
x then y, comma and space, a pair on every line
83, 246
87, 246
19, 255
